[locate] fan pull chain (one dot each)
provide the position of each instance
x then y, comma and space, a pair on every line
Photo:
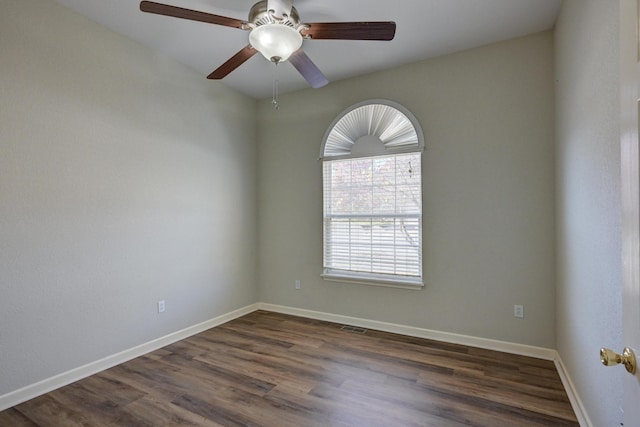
274, 101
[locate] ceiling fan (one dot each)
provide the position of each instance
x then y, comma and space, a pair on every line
277, 33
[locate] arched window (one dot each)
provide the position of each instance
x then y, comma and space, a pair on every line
372, 186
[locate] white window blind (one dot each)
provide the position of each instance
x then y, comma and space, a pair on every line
372, 128
373, 217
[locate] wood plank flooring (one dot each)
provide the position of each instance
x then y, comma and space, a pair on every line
268, 369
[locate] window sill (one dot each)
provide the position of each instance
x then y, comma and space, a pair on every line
373, 280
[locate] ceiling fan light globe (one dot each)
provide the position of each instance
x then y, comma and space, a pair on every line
275, 41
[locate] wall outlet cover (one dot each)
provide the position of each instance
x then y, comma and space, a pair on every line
518, 311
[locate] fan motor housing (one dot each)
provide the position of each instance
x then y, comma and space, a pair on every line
259, 15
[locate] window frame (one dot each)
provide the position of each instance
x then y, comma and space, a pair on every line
367, 278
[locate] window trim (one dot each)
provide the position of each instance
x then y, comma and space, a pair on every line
372, 279
376, 279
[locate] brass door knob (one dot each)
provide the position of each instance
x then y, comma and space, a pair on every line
627, 358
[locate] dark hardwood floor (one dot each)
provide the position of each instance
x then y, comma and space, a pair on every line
268, 369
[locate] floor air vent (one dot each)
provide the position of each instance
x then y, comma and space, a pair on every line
353, 329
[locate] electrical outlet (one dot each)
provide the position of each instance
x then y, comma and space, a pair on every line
297, 283
161, 306
518, 311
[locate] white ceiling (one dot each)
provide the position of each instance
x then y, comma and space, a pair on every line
425, 29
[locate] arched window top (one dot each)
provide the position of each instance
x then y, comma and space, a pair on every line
371, 128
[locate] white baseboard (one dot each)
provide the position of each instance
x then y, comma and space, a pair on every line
29, 392
574, 398
489, 344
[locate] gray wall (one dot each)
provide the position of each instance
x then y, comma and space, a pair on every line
588, 201
489, 237
124, 179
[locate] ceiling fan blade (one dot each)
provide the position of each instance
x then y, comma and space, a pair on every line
194, 15
280, 7
232, 63
351, 30
308, 69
